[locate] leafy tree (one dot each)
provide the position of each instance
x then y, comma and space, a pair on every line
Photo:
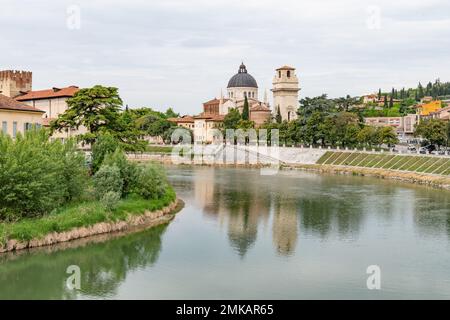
245, 110
95, 108
433, 130
231, 119
105, 144
107, 179
152, 182
387, 135
367, 136
37, 175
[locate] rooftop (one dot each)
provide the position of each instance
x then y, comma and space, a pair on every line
7, 103
49, 93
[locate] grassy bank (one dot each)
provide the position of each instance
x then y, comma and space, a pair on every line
442, 182
78, 215
159, 149
412, 163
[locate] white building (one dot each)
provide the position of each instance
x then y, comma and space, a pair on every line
285, 93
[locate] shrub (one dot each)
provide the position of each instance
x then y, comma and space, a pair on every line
74, 172
151, 182
105, 144
37, 175
128, 170
110, 200
107, 179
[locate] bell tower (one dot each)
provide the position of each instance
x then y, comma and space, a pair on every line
13, 83
285, 92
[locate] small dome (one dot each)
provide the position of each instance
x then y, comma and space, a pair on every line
242, 79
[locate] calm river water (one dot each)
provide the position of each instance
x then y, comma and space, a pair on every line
243, 235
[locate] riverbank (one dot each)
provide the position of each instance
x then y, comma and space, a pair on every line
423, 178
435, 181
86, 220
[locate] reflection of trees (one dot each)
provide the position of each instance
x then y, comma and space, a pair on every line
104, 266
432, 212
284, 228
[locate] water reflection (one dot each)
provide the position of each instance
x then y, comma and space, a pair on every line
293, 203
41, 274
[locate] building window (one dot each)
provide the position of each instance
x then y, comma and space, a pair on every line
4, 127
14, 129
288, 74
279, 74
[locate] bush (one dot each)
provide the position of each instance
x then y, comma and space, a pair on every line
105, 144
110, 200
37, 175
107, 179
128, 170
151, 182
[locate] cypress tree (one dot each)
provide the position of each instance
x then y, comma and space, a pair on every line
379, 94
385, 101
391, 102
245, 111
278, 118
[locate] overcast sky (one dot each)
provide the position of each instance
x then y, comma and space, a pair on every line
163, 53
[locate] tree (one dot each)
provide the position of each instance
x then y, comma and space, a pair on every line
245, 110
95, 108
231, 119
367, 136
386, 135
379, 94
391, 101
278, 117
420, 93
433, 130
385, 101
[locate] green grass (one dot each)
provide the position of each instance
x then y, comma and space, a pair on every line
331, 159
435, 165
159, 149
325, 157
413, 163
350, 159
79, 215
358, 159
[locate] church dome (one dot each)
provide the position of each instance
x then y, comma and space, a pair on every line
242, 79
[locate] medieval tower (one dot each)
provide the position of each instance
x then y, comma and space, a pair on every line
285, 93
13, 83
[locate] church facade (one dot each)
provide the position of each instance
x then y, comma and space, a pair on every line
242, 86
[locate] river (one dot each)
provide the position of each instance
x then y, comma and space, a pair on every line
243, 235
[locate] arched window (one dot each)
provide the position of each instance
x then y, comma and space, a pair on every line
279, 74
288, 73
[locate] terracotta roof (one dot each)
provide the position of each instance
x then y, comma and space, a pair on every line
259, 107
49, 93
182, 119
11, 104
210, 117
285, 68
215, 101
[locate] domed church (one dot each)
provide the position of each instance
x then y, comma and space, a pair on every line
240, 86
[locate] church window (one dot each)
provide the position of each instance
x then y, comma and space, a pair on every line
288, 74
279, 74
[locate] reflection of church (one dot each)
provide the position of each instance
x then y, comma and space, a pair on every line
242, 86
